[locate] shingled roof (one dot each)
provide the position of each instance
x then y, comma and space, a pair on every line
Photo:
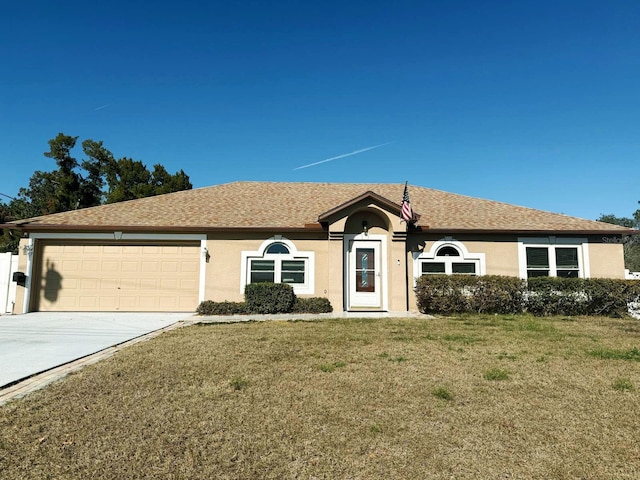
297, 205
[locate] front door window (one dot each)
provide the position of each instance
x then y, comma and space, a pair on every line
365, 270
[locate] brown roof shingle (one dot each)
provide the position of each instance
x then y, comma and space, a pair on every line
293, 205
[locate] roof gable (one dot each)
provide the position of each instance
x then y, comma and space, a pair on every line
366, 197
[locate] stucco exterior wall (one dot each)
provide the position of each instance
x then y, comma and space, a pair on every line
501, 256
606, 260
224, 267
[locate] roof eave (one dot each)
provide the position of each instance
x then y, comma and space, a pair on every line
311, 227
422, 229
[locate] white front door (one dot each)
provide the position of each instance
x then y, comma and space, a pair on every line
365, 274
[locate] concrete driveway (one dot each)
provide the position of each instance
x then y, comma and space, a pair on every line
40, 341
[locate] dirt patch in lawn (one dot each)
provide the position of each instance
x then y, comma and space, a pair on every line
463, 397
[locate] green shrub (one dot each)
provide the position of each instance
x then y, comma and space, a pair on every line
269, 297
451, 294
209, 307
312, 305
580, 296
463, 293
276, 298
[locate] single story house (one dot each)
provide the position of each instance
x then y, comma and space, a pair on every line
343, 241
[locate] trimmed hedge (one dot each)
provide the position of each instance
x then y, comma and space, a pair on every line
269, 297
580, 296
465, 293
263, 298
209, 307
312, 305
539, 296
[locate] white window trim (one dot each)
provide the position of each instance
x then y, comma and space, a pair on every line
308, 287
465, 257
551, 242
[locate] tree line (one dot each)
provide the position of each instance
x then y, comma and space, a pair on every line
97, 179
631, 243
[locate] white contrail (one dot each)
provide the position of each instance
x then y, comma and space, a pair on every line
101, 107
342, 156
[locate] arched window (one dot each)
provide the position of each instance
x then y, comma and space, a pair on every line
279, 261
448, 251
449, 257
277, 248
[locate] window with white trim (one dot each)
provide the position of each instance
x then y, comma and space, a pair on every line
553, 261
449, 257
553, 256
278, 261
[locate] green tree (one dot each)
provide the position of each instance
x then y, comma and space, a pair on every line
98, 158
97, 179
8, 240
129, 179
631, 242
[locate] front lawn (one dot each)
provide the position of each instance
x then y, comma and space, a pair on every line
465, 397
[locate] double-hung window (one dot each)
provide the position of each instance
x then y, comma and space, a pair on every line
556, 258
278, 261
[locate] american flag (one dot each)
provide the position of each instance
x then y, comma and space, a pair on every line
407, 211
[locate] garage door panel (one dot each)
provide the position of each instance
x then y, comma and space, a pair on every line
150, 266
112, 266
150, 284
107, 302
169, 267
88, 302
119, 278
129, 266
90, 266
89, 284
188, 284
169, 283
189, 267
185, 302
68, 265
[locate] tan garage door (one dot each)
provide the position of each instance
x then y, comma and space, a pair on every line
144, 278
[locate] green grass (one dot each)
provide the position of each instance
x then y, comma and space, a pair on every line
632, 354
330, 367
238, 383
368, 398
496, 374
442, 393
623, 384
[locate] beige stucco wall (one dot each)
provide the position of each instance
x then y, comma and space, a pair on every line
606, 260
223, 270
501, 253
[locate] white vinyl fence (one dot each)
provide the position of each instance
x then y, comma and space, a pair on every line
631, 275
8, 265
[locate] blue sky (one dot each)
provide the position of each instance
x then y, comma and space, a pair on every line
534, 103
